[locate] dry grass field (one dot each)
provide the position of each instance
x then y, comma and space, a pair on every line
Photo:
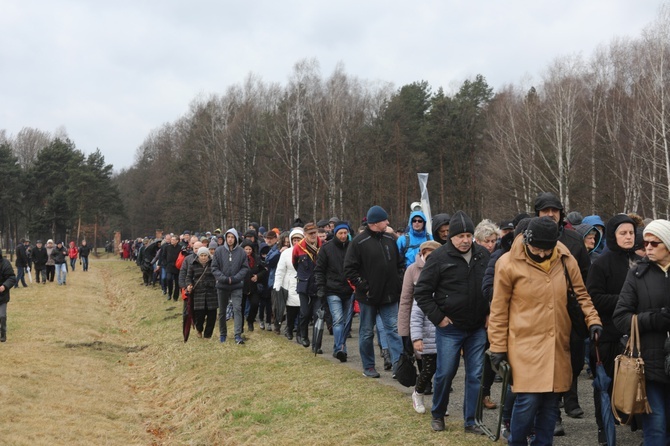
101, 361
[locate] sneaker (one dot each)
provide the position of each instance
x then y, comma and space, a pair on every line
262, 325
239, 340
371, 373
417, 402
222, 338
473, 429
437, 424
488, 403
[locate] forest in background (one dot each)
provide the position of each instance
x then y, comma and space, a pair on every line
593, 130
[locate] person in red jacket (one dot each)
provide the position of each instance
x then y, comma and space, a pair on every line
304, 262
73, 253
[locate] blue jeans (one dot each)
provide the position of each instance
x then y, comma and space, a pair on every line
20, 276
84, 263
381, 333
342, 311
449, 341
536, 411
366, 347
61, 273
655, 424
73, 262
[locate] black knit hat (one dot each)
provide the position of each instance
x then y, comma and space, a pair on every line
460, 223
542, 233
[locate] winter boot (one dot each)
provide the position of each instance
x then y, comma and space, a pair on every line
388, 365
3, 329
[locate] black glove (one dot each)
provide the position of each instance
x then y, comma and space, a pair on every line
595, 330
321, 293
660, 320
362, 286
497, 358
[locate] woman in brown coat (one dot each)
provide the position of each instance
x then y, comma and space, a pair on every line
529, 325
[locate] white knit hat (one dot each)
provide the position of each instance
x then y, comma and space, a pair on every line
661, 229
203, 250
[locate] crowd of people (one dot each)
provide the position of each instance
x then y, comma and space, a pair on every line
446, 296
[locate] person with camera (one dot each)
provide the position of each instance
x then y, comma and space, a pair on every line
529, 326
646, 294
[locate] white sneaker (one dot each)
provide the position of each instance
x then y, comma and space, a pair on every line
417, 402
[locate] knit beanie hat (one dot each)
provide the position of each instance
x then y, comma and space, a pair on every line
341, 225
460, 223
542, 233
203, 250
661, 229
213, 244
377, 214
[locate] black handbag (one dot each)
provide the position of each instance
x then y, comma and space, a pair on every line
575, 310
405, 372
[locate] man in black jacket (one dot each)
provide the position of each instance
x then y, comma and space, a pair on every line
7, 281
449, 292
22, 262
40, 258
84, 251
332, 286
548, 205
172, 252
374, 266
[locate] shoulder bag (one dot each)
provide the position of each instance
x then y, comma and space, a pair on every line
629, 394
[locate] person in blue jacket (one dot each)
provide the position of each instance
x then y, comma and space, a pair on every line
408, 244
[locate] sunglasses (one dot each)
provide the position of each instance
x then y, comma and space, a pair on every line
653, 244
417, 221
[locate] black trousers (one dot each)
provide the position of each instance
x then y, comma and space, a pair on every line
206, 318
41, 272
308, 308
51, 272
291, 315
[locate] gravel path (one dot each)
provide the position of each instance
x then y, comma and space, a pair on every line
579, 432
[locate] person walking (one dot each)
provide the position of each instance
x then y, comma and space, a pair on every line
7, 282
59, 256
529, 326
40, 258
84, 251
304, 262
449, 292
201, 285
50, 265
229, 266
374, 266
645, 294
22, 262
73, 253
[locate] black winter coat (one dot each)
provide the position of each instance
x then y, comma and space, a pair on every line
645, 291
329, 271
40, 257
449, 286
22, 257
84, 251
7, 278
171, 254
59, 255
575, 243
260, 272
204, 286
375, 267
607, 276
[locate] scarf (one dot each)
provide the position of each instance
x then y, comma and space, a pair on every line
311, 250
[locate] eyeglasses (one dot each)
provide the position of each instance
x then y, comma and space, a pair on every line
653, 244
418, 220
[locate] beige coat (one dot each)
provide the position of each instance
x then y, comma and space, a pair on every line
529, 318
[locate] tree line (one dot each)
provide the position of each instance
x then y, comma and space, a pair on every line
51, 190
595, 131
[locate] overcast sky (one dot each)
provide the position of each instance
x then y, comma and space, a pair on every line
110, 72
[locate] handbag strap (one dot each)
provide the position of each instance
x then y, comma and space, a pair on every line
633, 343
567, 276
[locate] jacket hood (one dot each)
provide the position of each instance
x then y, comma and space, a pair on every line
593, 220
611, 227
234, 232
584, 229
410, 228
439, 220
295, 231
